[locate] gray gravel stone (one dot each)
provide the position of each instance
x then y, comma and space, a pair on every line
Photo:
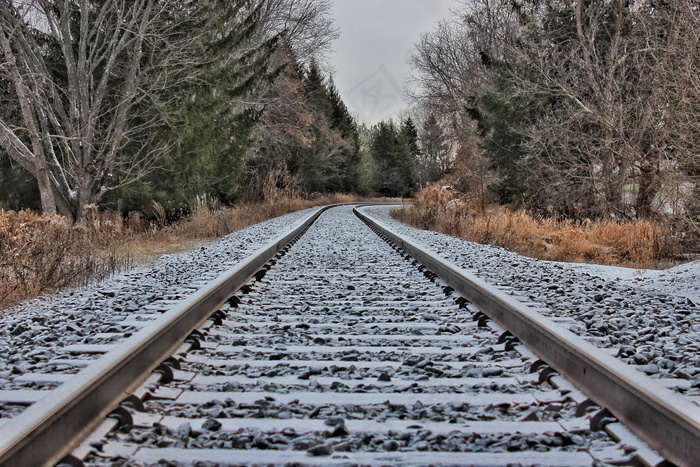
646, 317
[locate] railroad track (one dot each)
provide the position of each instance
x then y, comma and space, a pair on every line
337, 348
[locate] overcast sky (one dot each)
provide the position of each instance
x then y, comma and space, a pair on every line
370, 57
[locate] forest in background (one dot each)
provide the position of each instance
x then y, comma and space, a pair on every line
579, 110
151, 106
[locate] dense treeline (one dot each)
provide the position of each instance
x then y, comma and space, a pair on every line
580, 108
153, 104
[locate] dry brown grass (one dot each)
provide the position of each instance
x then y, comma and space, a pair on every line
211, 220
639, 244
42, 253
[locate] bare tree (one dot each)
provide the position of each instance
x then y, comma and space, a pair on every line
618, 127
306, 25
592, 105
676, 77
452, 66
454, 61
286, 122
79, 69
287, 129
435, 158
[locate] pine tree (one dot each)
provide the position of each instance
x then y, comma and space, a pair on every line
281, 138
501, 119
207, 125
329, 162
349, 150
410, 134
341, 119
316, 91
18, 189
434, 159
395, 164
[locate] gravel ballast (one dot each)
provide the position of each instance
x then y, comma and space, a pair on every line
647, 318
344, 347
650, 319
33, 334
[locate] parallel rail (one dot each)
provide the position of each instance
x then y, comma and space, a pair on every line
52, 427
667, 422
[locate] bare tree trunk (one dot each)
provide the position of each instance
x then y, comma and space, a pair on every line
33, 158
71, 138
648, 185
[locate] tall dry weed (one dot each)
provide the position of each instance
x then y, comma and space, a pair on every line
44, 252
639, 243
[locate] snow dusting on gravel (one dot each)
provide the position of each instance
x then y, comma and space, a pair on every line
33, 334
680, 280
650, 319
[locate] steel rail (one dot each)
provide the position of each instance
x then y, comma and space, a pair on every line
52, 427
667, 422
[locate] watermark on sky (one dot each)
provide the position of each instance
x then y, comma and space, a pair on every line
377, 96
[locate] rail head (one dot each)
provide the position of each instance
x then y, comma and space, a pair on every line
667, 422
52, 427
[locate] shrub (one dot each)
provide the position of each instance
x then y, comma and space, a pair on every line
638, 243
44, 252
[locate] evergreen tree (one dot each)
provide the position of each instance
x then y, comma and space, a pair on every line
18, 189
316, 91
501, 119
434, 158
583, 120
307, 140
395, 164
281, 138
367, 170
410, 135
207, 124
328, 161
349, 151
341, 119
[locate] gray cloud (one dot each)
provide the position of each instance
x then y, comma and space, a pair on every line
376, 38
